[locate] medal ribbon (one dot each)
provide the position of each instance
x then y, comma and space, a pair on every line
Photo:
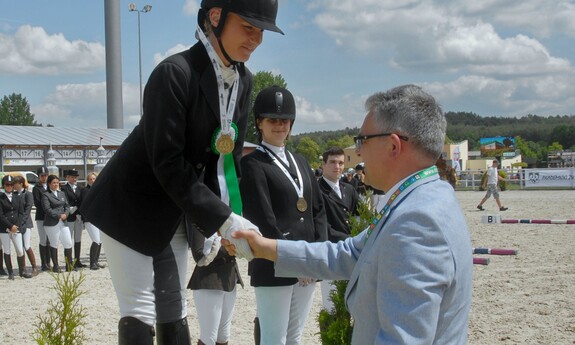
226, 115
298, 189
428, 172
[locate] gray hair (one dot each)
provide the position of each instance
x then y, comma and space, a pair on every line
409, 111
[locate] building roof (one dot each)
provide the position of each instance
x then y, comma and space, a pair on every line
61, 136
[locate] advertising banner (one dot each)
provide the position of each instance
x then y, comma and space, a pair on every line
549, 178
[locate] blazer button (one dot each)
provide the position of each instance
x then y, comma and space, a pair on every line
199, 166
301, 219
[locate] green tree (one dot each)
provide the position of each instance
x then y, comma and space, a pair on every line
15, 110
343, 142
262, 79
310, 150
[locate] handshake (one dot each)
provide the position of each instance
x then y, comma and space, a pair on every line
242, 238
237, 246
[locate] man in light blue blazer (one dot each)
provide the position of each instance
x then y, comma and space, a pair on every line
410, 272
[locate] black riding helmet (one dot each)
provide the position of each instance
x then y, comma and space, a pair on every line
274, 102
259, 13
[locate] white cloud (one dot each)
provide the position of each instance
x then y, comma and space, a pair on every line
431, 36
550, 95
84, 105
33, 51
191, 7
176, 49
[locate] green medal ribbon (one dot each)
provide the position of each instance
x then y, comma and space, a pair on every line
230, 171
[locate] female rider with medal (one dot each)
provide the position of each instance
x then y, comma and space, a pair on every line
179, 165
283, 199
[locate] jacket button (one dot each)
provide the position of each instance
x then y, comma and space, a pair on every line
199, 166
301, 219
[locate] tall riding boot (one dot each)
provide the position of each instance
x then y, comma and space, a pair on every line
77, 249
32, 259
2, 270
8, 263
257, 334
94, 256
173, 333
22, 267
49, 256
54, 256
44, 258
132, 331
69, 261
98, 257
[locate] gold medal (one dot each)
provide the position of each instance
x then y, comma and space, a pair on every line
301, 205
225, 144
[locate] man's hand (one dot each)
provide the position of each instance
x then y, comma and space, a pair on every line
263, 248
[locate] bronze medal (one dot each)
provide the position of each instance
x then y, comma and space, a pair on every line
301, 205
225, 144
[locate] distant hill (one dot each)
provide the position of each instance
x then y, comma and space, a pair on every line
469, 126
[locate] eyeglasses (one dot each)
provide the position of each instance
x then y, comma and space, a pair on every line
360, 139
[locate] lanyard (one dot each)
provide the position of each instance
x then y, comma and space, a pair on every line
224, 138
298, 189
226, 113
410, 181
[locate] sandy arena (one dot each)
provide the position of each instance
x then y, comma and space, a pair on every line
523, 299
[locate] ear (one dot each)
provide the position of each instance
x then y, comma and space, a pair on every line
396, 146
214, 15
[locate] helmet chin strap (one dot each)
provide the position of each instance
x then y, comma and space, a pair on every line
223, 50
218, 32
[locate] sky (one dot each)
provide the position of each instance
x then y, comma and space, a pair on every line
490, 57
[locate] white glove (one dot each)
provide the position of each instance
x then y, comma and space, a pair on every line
235, 223
214, 242
208, 243
305, 281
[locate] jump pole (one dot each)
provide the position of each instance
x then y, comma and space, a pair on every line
495, 251
496, 219
480, 261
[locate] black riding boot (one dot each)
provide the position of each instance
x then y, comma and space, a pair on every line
8, 262
132, 331
77, 250
44, 258
54, 256
69, 261
98, 257
257, 334
94, 256
173, 333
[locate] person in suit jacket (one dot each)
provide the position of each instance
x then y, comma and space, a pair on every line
410, 271
40, 188
56, 212
11, 226
285, 203
340, 201
195, 114
74, 221
21, 188
349, 178
93, 231
214, 283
